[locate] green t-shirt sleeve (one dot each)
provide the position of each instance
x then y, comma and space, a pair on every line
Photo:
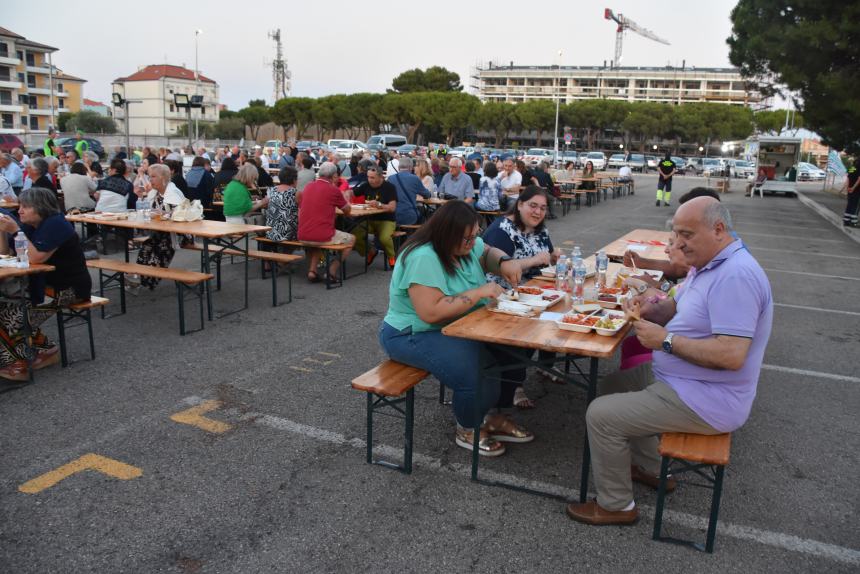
423, 267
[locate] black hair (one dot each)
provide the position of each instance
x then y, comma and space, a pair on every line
698, 192
525, 195
198, 161
307, 163
118, 165
78, 168
228, 164
444, 231
287, 175
490, 169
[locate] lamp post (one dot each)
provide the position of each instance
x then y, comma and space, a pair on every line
197, 80
557, 103
184, 101
121, 102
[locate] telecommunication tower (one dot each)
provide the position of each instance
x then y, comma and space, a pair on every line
280, 73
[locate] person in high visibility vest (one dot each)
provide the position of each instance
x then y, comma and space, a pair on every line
665, 171
849, 218
81, 146
48, 148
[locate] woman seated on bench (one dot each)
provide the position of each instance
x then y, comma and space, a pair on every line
159, 249
52, 240
237, 195
439, 277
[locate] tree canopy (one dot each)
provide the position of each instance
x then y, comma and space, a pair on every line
87, 121
433, 79
809, 51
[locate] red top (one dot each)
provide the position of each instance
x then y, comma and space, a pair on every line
316, 211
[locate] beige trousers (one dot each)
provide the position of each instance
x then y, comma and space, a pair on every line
624, 423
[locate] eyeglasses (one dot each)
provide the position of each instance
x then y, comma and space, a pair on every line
538, 206
470, 239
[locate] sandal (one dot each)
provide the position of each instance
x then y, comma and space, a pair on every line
487, 445
313, 277
521, 401
17, 371
504, 429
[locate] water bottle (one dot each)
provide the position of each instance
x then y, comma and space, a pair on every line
147, 210
577, 252
601, 263
561, 268
21, 247
140, 208
578, 281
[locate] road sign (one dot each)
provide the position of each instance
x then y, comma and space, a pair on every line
568, 138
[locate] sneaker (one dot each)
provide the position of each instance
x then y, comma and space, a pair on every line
658, 203
665, 204
371, 255
391, 262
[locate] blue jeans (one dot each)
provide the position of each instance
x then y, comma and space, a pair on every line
455, 362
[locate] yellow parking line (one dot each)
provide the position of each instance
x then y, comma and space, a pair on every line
194, 417
104, 465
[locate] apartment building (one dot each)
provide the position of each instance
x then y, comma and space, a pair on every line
33, 92
514, 84
152, 91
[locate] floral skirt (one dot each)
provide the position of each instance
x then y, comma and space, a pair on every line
13, 346
157, 251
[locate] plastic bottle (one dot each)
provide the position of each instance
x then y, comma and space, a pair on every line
601, 263
21, 247
140, 207
561, 268
578, 281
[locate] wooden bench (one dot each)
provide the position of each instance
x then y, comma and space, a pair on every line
566, 197
692, 453
272, 257
385, 385
194, 282
75, 315
327, 249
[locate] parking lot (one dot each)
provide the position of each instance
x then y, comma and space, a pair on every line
241, 448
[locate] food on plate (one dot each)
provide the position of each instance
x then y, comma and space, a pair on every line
550, 297
580, 319
513, 295
609, 322
530, 290
611, 290
608, 298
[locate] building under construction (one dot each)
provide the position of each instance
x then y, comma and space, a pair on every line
492, 82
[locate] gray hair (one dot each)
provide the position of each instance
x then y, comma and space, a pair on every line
43, 201
455, 161
716, 212
41, 165
405, 163
327, 170
162, 170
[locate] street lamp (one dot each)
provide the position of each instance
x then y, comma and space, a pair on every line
620, 146
120, 102
557, 103
197, 80
183, 101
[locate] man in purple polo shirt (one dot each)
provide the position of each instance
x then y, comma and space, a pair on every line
708, 345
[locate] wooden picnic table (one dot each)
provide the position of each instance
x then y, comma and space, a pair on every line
220, 235
535, 334
648, 243
22, 276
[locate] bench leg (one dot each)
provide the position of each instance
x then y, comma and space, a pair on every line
661, 499
407, 438
181, 298
274, 282
369, 428
715, 509
61, 334
89, 319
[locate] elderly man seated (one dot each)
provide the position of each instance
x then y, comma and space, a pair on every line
456, 184
708, 342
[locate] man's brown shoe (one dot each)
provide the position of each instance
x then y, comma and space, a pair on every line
642, 477
592, 513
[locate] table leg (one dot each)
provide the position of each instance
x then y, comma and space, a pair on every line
206, 267
25, 327
246, 271
586, 451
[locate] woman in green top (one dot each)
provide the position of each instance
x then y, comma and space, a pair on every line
439, 277
237, 195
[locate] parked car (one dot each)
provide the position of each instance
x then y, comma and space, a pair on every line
275, 146
809, 172
346, 148
460, 151
680, 164
597, 159
617, 160
10, 142
408, 149
69, 144
740, 168
695, 165
306, 145
636, 162
536, 155
570, 156
389, 141
652, 161
713, 167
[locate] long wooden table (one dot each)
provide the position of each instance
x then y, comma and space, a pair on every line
531, 333
648, 243
218, 234
22, 276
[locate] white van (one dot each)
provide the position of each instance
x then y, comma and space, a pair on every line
390, 141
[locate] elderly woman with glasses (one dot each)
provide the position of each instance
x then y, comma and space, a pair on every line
439, 277
522, 235
51, 240
161, 195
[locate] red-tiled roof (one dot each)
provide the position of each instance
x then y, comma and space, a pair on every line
158, 71
89, 102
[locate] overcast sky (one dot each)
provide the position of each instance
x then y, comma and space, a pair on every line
345, 47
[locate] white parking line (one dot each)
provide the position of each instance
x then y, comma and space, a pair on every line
804, 372
817, 309
819, 275
769, 538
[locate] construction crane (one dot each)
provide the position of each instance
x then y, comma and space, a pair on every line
625, 24
280, 74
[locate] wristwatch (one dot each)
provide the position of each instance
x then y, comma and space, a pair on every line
504, 258
667, 343
665, 286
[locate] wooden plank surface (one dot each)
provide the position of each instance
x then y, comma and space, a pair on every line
33, 269
640, 238
161, 272
202, 228
389, 378
708, 449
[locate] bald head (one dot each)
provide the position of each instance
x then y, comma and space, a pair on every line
702, 228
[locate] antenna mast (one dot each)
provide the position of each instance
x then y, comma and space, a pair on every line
280, 73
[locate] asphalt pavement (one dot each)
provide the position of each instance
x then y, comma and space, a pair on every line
273, 477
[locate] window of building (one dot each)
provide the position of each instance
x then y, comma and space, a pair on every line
6, 97
23, 99
62, 103
19, 54
4, 73
34, 123
24, 121
32, 101
31, 59
20, 77
8, 121
4, 49
60, 87
171, 107
31, 80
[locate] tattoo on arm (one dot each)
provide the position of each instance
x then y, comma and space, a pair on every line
461, 298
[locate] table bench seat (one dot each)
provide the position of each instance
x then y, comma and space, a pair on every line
73, 315
328, 249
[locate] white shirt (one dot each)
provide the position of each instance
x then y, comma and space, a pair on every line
264, 161
509, 181
6, 189
393, 167
172, 195
625, 172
